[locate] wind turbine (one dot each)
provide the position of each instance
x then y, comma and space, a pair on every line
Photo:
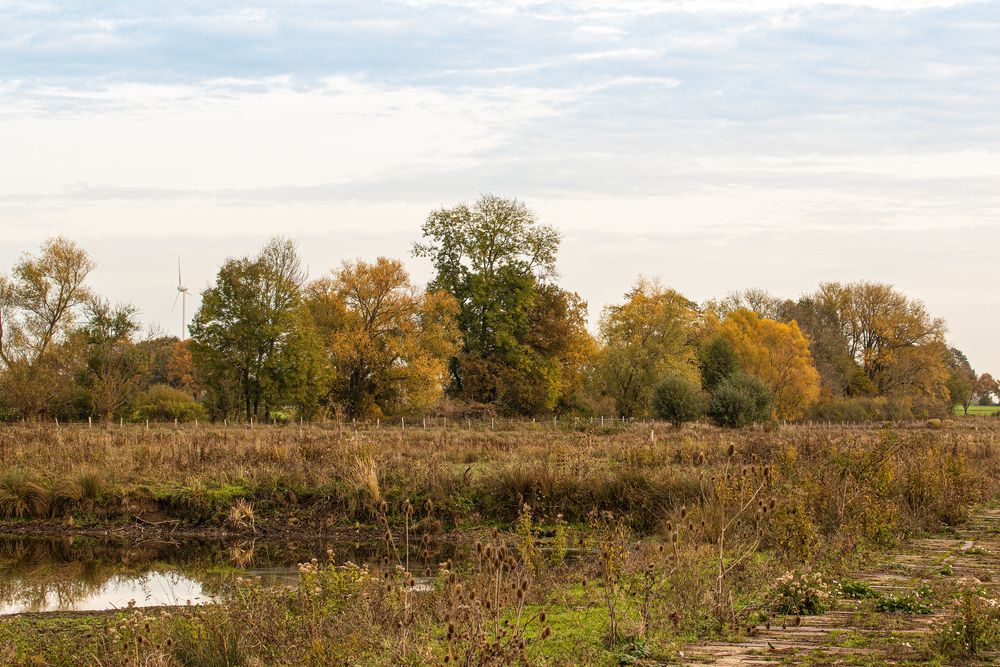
182, 294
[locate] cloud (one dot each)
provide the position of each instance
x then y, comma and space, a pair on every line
654, 130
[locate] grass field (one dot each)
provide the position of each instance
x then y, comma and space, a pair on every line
979, 410
576, 546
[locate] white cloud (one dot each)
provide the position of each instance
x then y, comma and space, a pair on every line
719, 143
246, 134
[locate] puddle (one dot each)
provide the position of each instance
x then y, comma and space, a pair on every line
91, 574
153, 589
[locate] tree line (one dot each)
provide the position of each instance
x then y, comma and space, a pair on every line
493, 332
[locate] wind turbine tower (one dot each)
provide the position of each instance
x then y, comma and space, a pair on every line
182, 294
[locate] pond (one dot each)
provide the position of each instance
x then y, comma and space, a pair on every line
97, 574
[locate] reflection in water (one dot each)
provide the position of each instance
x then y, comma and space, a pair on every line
84, 573
149, 590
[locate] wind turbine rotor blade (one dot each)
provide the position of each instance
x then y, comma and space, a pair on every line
175, 301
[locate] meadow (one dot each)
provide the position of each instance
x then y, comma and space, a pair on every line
979, 410
565, 543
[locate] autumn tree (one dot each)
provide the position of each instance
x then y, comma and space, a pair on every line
251, 337
496, 259
819, 318
988, 388
898, 346
560, 353
965, 386
777, 354
387, 343
755, 299
39, 306
645, 339
115, 367
963, 383
181, 372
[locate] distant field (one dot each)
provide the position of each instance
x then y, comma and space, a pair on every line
979, 410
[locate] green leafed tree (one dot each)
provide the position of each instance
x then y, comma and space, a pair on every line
496, 259
716, 360
252, 338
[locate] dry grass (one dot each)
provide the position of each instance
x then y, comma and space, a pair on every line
680, 535
335, 476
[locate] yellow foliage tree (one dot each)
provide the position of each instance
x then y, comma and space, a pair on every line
645, 339
387, 343
778, 354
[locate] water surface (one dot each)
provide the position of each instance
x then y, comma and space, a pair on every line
96, 574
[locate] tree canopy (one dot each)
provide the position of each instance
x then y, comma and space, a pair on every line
386, 343
645, 339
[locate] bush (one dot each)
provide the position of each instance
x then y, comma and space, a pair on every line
806, 594
740, 400
678, 400
163, 402
916, 602
972, 627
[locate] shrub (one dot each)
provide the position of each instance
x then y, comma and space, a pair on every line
857, 590
804, 594
740, 400
916, 602
972, 627
678, 400
163, 402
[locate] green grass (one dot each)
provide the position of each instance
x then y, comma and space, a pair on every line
979, 410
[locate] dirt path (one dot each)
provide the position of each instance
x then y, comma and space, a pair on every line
856, 633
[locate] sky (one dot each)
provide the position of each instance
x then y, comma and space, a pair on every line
716, 144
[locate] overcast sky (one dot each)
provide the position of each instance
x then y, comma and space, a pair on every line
717, 144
